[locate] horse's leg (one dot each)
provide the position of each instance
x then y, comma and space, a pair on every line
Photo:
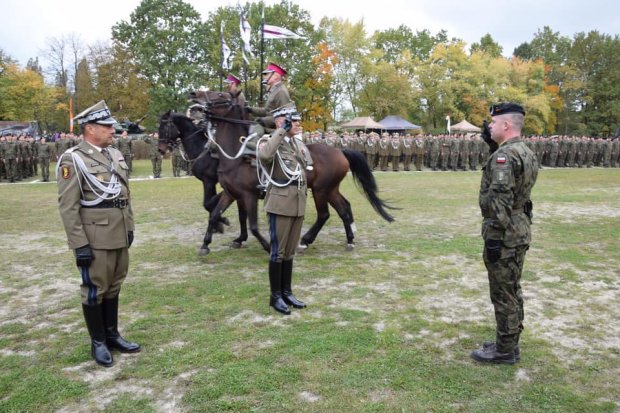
322, 215
243, 226
250, 204
214, 219
209, 202
343, 208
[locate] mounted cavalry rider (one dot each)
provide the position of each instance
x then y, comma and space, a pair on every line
282, 155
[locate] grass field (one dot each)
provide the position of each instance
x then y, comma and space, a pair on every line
389, 326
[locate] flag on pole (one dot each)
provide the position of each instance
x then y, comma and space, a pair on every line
278, 33
245, 29
448, 125
226, 64
70, 113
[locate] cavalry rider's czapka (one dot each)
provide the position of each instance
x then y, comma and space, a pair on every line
507, 107
272, 67
232, 79
98, 113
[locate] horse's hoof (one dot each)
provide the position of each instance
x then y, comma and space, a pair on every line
219, 228
235, 245
225, 221
203, 251
350, 247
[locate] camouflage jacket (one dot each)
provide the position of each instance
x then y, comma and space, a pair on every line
508, 177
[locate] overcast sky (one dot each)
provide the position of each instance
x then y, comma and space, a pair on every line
27, 24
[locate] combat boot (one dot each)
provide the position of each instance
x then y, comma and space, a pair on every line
94, 322
491, 355
110, 321
275, 284
287, 292
491, 344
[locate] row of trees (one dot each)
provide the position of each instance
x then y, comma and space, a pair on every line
568, 85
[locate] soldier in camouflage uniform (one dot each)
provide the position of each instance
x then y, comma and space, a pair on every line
507, 181
177, 159
3, 146
156, 157
125, 145
45, 153
11, 157
435, 151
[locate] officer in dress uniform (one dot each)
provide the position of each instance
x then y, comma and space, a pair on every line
95, 207
507, 181
285, 203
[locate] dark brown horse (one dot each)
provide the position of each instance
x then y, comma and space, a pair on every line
227, 122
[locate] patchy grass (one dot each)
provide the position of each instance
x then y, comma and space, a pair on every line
389, 325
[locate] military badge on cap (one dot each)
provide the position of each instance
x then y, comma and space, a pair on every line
98, 113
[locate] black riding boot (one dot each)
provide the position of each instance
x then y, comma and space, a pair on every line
112, 336
275, 282
287, 292
94, 322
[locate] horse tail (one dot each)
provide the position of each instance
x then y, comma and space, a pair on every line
362, 176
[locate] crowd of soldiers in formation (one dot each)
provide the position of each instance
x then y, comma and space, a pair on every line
467, 151
20, 156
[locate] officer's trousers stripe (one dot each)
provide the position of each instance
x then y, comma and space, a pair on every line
92, 289
273, 236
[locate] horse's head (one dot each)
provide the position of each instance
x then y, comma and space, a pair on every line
168, 133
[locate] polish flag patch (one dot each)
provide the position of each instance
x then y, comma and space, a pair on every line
500, 159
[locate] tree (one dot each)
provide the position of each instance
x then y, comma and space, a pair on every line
487, 45
167, 40
349, 42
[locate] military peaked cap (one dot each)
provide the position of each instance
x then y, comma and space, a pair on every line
98, 113
506, 107
286, 110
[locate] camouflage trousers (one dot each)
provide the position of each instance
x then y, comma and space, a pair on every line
506, 295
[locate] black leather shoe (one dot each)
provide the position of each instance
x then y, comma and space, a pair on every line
491, 345
491, 355
279, 305
99, 351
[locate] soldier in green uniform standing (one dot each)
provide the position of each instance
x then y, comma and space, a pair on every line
285, 203
371, 147
177, 159
11, 157
3, 146
44, 153
507, 181
384, 151
156, 157
125, 145
95, 207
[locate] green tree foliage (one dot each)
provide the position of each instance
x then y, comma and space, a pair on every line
487, 45
167, 40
